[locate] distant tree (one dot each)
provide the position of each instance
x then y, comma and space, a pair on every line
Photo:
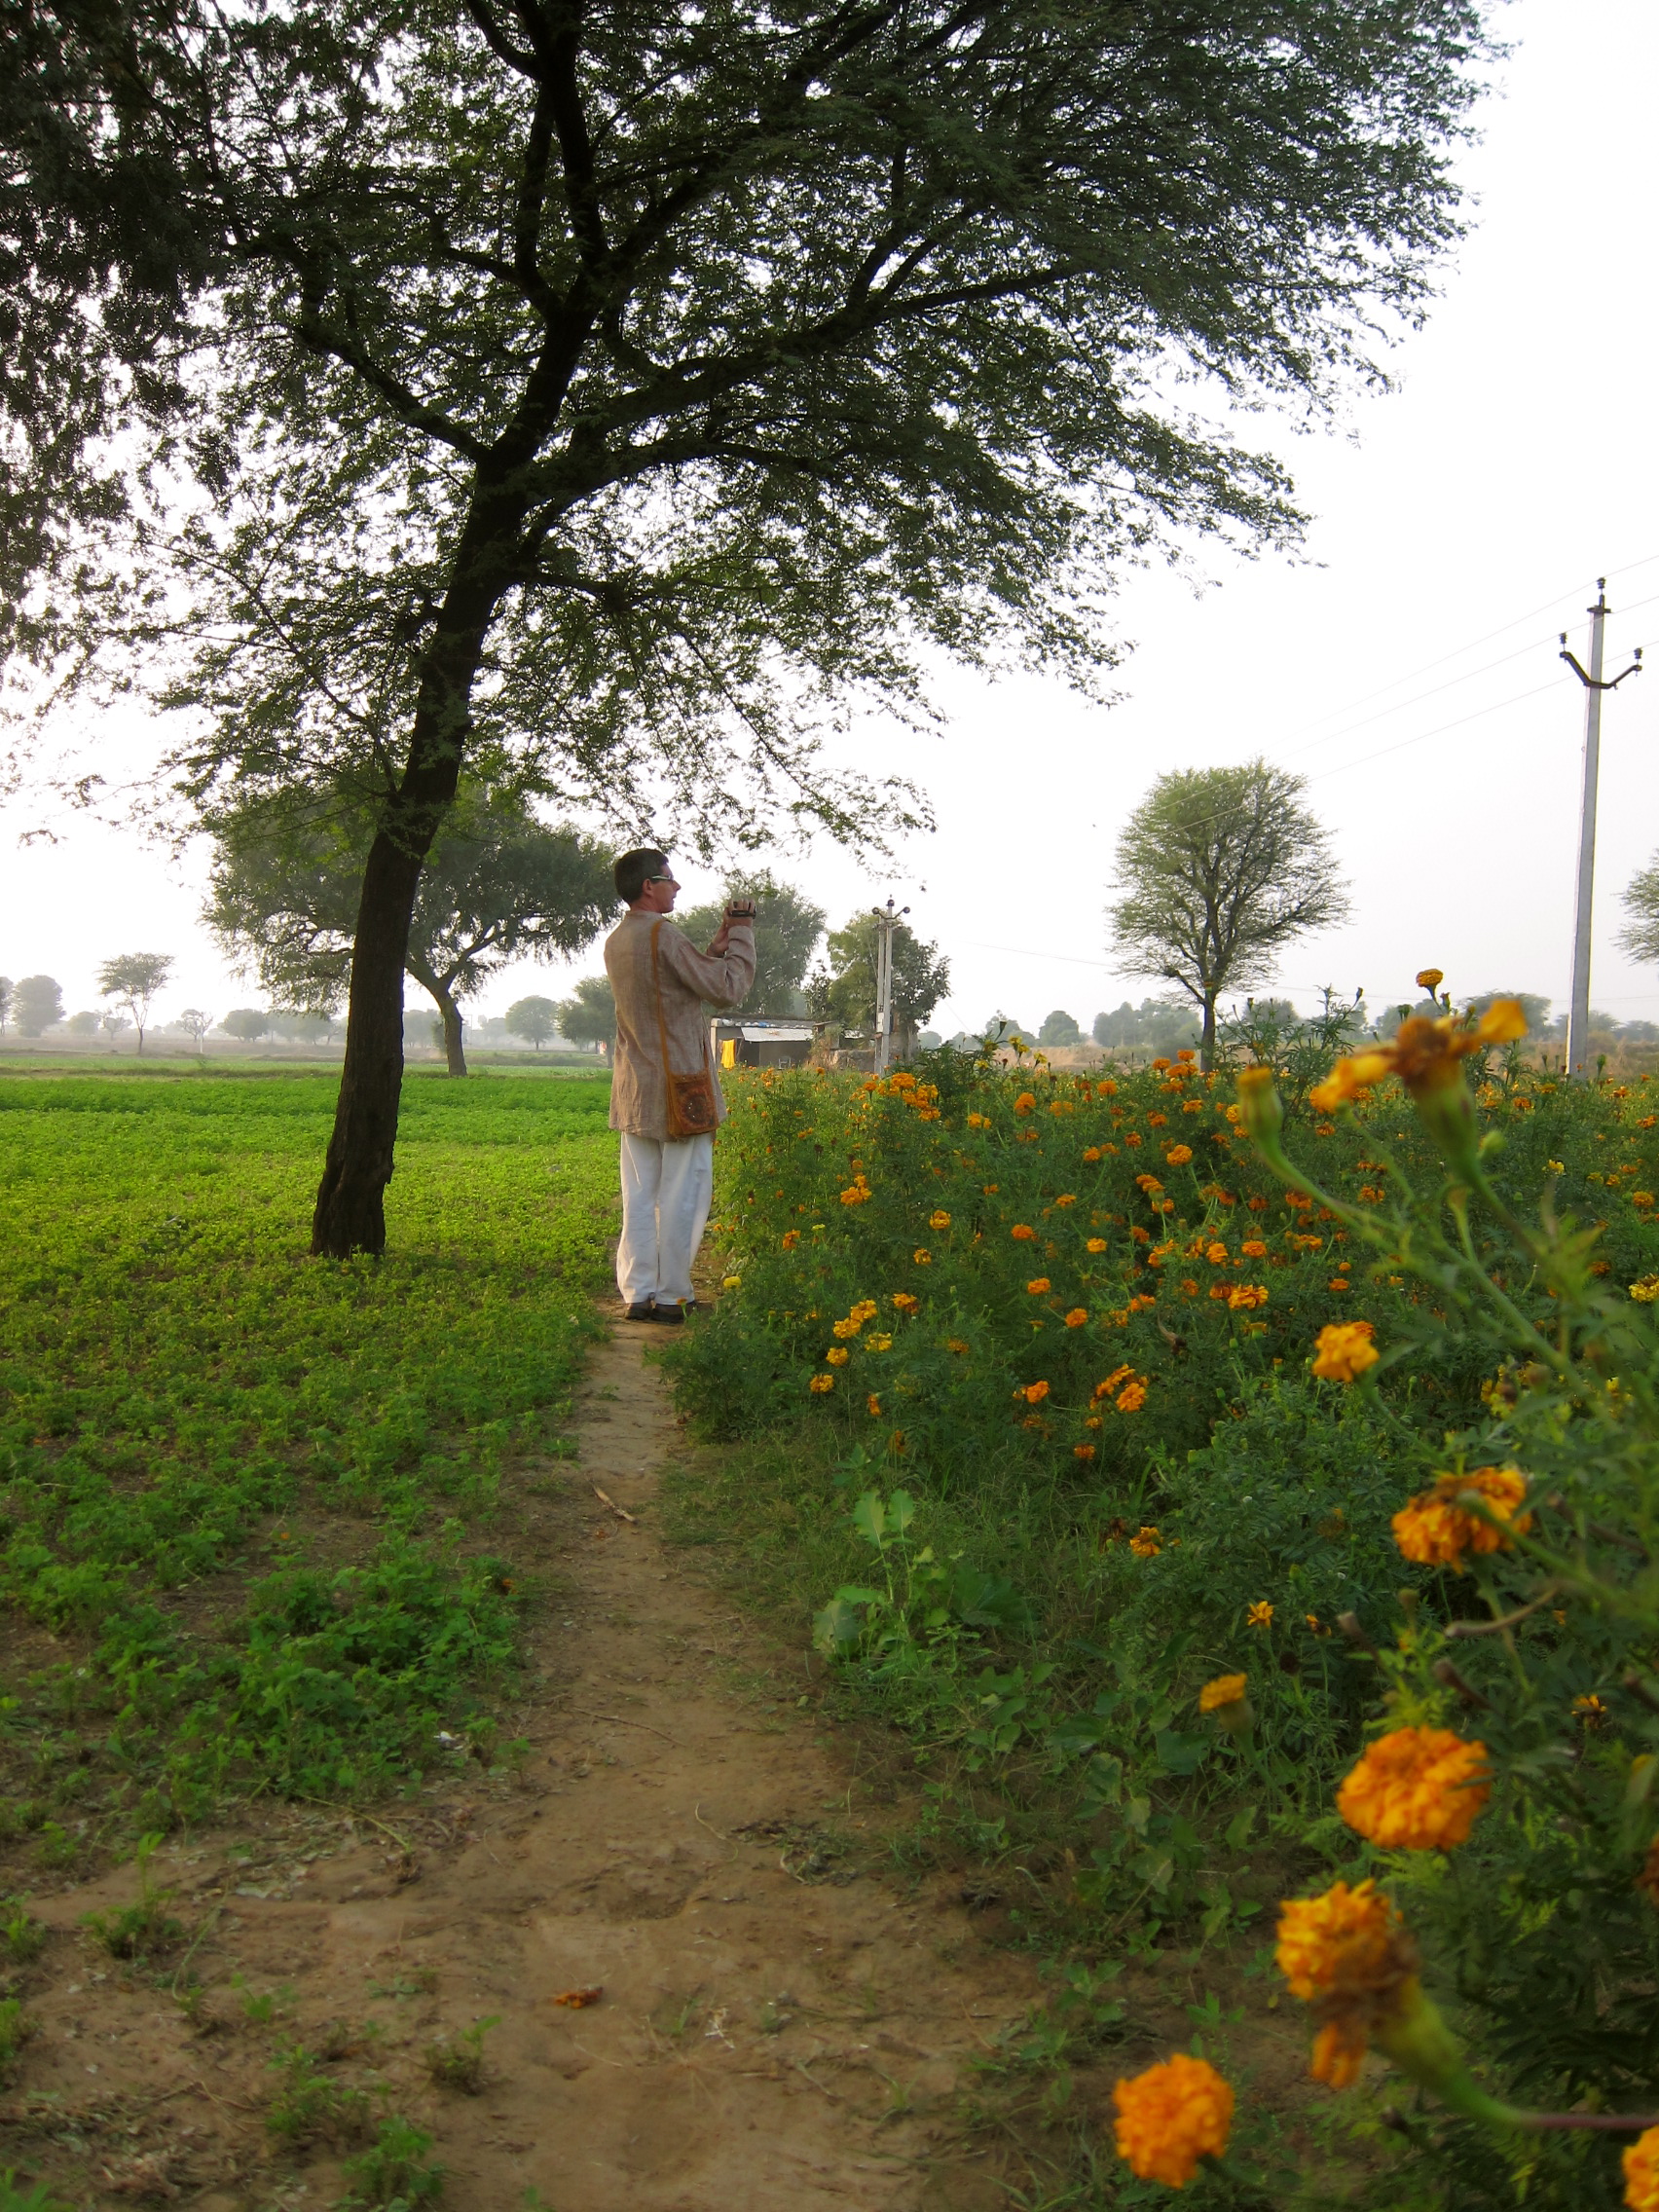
37, 1005
787, 929
112, 1021
589, 1017
246, 1025
498, 886
1059, 1028
133, 982
5, 1001
929, 1041
1156, 1026
1218, 869
843, 991
86, 1023
534, 1019
1534, 1005
194, 1023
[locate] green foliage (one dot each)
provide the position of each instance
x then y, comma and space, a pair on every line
589, 1016
141, 1929
395, 2173
312, 2106
844, 989
534, 1019
23, 1937
1231, 1518
457, 2062
787, 931
13, 2197
36, 1004
15, 2030
181, 1398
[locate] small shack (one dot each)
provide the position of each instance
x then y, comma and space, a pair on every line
764, 1044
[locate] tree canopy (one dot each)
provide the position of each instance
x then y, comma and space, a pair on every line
589, 1015
1218, 871
535, 1019
641, 390
132, 980
498, 887
37, 1004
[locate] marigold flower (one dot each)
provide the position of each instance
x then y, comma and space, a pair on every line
1178, 1156
878, 1344
731, 1283
1338, 1283
792, 1237
1425, 1053
1038, 1285
1078, 1318
1130, 1398
979, 1121
1315, 1623
1025, 1103
1116, 1375
1641, 2166
1347, 1955
851, 1326
1170, 2116
922, 1256
1022, 1233
820, 1384
1033, 1393
1092, 1153
1590, 1709
1417, 1789
1217, 1255
1253, 1248
837, 1355
1096, 1244
1146, 1545
1226, 1689
1245, 1297
1435, 1530
1430, 978
907, 1301
872, 1406
1345, 1350
1083, 1451
939, 1220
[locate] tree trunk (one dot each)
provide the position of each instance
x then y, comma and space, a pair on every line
449, 1013
1207, 1043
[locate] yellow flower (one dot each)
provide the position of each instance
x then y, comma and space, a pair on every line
1226, 1689
955, 1344
1430, 978
1178, 1156
979, 1121
872, 1406
820, 1384
1554, 1167
907, 1301
1424, 1054
1417, 1789
1038, 1285
1146, 1545
1170, 2116
1066, 1199
731, 1283
922, 1257
837, 1355
1259, 1614
1641, 2173
1435, 1530
1078, 1318
1646, 1289
851, 1326
1347, 1955
1096, 1244
1345, 1350
1590, 1710
939, 1220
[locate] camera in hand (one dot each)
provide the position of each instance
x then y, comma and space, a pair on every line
740, 910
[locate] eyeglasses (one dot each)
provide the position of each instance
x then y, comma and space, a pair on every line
661, 879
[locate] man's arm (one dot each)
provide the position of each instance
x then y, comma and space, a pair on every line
720, 977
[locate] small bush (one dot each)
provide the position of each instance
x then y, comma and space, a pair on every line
394, 2173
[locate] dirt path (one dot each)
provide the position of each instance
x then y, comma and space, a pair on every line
783, 2021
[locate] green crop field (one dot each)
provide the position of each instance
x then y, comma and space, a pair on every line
246, 1496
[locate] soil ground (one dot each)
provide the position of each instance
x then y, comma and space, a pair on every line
784, 2016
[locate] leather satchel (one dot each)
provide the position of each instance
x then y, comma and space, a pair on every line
691, 1097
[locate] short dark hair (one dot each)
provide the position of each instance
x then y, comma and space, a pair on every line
632, 871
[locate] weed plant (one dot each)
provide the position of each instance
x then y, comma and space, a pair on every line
1020, 1366
395, 2174
241, 1491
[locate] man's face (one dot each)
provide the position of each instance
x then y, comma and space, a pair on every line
660, 892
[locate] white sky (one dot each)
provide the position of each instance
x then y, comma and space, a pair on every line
1457, 529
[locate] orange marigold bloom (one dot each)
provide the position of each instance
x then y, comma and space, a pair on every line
1259, 1614
1178, 1155
792, 1237
1096, 1244
1146, 1545
1226, 1689
1034, 1393
1066, 1199
1253, 1248
1038, 1285
1022, 1233
1641, 2173
1347, 1955
1092, 1153
820, 1384
1170, 2116
1083, 1451
1130, 1398
1078, 1318
1345, 1350
939, 1220
1430, 978
1435, 1530
1425, 1053
1417, 1789
922, 1257
872, 1404
837, 1355
907, 1301
1025, 1103
1245, 1297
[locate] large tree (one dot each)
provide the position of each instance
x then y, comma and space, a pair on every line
1218, 871
844, 989
133, 979
637, 388
498, 887
788, 928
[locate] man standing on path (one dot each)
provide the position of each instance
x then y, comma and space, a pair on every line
664, 1082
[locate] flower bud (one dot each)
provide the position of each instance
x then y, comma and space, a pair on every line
1264, 1115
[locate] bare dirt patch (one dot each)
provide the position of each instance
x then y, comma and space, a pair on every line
782, 2017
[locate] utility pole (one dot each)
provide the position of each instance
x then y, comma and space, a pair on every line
886, 922
1579, 1011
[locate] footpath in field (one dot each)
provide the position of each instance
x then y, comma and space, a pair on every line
780, 2020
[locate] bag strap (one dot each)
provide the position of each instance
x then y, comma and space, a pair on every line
662, 1018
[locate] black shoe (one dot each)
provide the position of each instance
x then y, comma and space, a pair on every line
646, 1310
673, 1314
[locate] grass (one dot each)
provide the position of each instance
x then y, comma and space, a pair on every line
244, 1494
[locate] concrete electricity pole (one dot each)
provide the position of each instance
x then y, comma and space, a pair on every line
886, 922
1578, 1011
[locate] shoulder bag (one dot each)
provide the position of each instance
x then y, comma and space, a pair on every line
691, 1097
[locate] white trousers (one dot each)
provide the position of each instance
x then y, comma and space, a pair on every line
666, 1194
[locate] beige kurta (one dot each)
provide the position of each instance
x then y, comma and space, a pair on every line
690, 981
